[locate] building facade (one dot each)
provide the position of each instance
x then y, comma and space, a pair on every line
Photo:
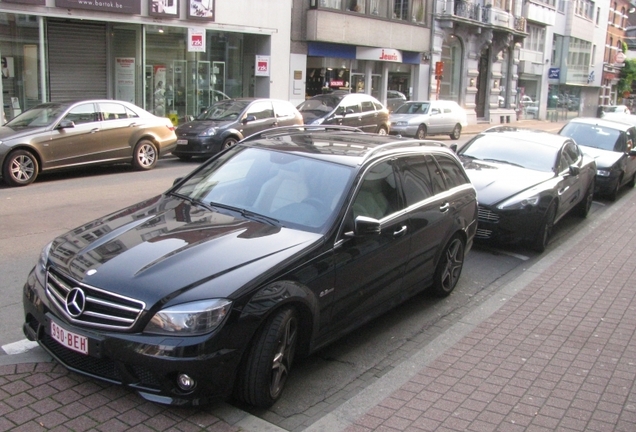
171, 57
613, 57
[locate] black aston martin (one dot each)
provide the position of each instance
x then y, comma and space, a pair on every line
526, 181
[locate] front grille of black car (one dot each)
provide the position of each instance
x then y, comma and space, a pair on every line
102, 310
483, 233
486, 215
103, 368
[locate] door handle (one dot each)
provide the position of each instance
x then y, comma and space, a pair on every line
95, 130
400, 232
133, 125
444, 207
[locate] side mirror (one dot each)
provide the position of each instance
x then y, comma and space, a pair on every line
177, 180
65, 124
574, 170
249, 118
632, 152
453, 147
365, 225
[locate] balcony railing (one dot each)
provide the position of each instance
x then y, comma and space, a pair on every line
473, 11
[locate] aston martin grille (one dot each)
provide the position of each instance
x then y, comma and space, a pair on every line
98, 308
487, 215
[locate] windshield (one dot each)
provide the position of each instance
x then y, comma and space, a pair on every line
325, 103
294, 190
39, 116
497, 148
592, 135
224, 110
413, 108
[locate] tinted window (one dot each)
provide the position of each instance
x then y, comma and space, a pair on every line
416, 180
367, 106
113, 111
351, 109
377, 196
261, 110
593, 135
437, 178
453, 172
517, 151
84, 113
283, 109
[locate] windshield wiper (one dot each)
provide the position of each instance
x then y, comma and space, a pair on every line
191, 200
248, 214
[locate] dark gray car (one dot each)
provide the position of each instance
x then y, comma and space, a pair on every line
226, 122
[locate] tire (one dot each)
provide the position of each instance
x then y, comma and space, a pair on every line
382, 131
270, 358
449, 267
457, 132
632, 182
583, 208
20, 168
145, 155
613, 195
542, 239
229, 142
421, 132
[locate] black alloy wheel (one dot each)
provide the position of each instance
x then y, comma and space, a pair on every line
270, 358
583, 207
449, 267
545, 230
20, 168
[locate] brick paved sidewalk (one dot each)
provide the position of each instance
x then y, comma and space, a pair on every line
559, 355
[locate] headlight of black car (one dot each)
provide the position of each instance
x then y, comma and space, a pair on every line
190, 319
40, 268
527, 198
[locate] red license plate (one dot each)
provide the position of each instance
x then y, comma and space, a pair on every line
69, 339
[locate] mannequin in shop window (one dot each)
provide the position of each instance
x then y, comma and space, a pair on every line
354, 6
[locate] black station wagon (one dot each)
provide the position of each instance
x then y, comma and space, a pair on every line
273, 248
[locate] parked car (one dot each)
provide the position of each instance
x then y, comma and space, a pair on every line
611, 144
424, 118
74, 134
277, 246
347, 109
526, 182
228, 121
609, 111
532, 109
394, 99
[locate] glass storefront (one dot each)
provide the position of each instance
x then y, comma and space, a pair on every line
452, 55
147, 65
20, 55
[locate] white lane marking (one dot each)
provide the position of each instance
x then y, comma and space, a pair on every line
19, 347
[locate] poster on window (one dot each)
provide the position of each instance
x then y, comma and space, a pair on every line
196, 39
262, 66
125, 78
201, 9
160, 90
163, 8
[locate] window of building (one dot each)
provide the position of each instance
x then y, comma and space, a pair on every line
535, 41
414, 11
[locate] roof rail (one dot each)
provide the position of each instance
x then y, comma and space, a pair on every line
404, 143
284, 130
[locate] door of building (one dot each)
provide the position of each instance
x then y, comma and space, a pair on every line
77, 60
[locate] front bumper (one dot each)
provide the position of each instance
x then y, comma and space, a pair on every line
148, 364
510, 226
606, 185
198, 147
407, 131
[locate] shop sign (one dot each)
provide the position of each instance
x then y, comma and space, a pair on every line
132, 7
262, 66
125, 78
380, 54
337, 83
196, 39
554, 73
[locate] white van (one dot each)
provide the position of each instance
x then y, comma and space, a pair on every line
422, 118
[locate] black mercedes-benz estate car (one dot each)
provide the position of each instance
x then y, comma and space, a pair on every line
273, 248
